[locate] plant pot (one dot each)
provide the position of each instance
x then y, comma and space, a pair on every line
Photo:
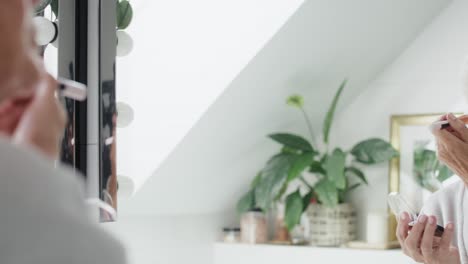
254, 229
331, 226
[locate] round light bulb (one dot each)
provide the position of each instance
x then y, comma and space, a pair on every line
125, 115
124, 43
46, 30
55, 43
126, 186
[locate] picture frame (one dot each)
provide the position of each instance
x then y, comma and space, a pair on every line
399, 125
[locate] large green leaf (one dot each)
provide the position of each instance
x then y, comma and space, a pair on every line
299, 164
331, 112
274, 176
352, 187
316, 167
292, 141
424, 159
288, 150
54, 6
356, 172
256, 181
246, 203
281, 192
293, 210
425, 166
327, 193
444, 173
307, 199
124, 14
373, 151
335, 167
40, 6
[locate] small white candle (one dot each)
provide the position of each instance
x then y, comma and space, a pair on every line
377, 228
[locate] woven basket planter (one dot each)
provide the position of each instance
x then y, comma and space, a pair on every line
331, 226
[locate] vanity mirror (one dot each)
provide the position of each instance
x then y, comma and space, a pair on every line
82, 51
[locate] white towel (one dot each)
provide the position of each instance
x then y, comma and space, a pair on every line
450, 205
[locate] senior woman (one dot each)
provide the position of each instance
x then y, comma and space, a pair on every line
446, 207
43, 217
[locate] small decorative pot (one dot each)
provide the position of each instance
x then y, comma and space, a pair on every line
331, 226
254, 229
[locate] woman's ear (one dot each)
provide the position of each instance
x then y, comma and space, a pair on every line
464, 78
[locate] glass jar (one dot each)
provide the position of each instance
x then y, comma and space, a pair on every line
231, 235
254, 227
280, 232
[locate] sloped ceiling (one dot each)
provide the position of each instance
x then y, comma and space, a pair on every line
186, 53
324, 42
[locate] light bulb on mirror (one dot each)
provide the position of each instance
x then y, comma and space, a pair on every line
125, 115
46, 31
126, 186
124, 43
55, 43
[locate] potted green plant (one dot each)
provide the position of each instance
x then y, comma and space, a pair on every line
335, 174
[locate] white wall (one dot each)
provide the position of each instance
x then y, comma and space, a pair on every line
213, 164
170, 239
185, 55
423, 79
323, 42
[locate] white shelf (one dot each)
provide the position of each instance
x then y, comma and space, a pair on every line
272, 254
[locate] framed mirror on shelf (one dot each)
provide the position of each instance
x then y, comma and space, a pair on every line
416, 173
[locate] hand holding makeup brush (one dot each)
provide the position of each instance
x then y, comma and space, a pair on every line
30, 113
452, 145
43, 121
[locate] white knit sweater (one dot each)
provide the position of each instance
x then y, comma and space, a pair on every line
43, 217
450, 205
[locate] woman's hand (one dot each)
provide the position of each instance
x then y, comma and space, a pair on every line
442, 253
29, 111
42, 123
21, 67
403, 230
420, 243
452, 145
